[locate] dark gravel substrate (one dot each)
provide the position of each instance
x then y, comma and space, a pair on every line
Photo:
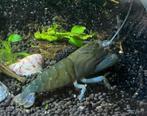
129, 94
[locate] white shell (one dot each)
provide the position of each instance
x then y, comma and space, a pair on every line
4, 93
27, 66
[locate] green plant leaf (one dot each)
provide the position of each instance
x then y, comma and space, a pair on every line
76, 42
45, 36
14, 38
6, 54
48, 37
78, 29
51, 31
37, 35
23, 54
6, 45
56, 32
85, 36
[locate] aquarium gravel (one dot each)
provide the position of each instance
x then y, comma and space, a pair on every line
128, 97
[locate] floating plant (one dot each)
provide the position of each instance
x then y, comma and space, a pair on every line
55, 32
7, 56
14, 38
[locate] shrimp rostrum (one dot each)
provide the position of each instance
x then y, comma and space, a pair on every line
89, 59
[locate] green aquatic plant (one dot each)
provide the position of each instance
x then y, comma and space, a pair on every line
55, 32
14, 38
7, 56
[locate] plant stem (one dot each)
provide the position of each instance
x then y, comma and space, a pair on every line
4, 69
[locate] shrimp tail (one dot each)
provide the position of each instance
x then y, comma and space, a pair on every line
26, 101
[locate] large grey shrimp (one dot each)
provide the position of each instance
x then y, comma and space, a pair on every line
89, 59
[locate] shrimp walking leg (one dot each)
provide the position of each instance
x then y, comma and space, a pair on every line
97, 80
82, 88
92, 80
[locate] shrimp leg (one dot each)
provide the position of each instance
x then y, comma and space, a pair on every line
97, 80
82, 88
109, 61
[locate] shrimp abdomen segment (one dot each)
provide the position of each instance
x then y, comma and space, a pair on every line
57, 76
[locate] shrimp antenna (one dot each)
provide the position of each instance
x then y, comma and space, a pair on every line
107, 43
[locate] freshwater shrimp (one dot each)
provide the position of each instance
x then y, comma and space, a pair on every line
87, 60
